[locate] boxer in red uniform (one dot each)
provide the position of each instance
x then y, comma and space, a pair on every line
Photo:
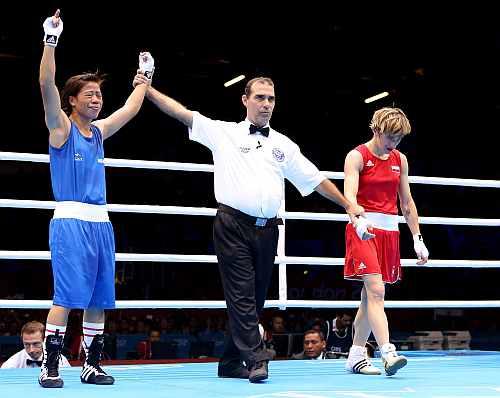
376, 174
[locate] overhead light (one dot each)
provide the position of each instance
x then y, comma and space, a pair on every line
376, 97
235, 80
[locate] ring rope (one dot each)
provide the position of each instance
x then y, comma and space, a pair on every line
148, 164
214, 304
190, 258
205, 211
282, 260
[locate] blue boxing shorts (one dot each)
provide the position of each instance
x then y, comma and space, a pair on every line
83, 263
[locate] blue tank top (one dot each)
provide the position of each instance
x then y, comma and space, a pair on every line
77, 168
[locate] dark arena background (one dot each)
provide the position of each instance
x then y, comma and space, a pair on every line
443, 71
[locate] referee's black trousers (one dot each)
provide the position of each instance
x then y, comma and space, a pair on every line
245, 254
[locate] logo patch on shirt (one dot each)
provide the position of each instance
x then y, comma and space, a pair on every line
278, 154
361, 266
78, 157
395, 169
244, 149
370, 163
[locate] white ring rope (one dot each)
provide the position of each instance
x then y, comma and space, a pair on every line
134, 164
213, 304
147, 164
205, 211
280, 259
189, 258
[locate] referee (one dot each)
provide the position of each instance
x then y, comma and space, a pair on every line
251, 162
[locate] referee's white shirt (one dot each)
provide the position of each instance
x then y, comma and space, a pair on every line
18, 360
250, 168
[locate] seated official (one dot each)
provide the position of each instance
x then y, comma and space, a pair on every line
32, 334
314, 346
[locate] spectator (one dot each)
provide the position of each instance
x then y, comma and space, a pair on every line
338, 334
144, 347
276, 345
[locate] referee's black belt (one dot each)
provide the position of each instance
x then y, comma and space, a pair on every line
251, 220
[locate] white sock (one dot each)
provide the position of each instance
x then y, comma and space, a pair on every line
51, 329
89, 331
387, 348
357, 351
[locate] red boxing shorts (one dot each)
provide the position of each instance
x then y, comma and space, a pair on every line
379, 255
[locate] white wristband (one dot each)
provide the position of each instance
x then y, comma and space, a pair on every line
417, 238
419, 247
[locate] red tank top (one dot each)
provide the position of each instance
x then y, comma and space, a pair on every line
379, 182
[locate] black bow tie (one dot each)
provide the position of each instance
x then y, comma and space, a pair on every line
263, 130
31, 361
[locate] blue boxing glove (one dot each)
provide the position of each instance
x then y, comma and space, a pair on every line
52, 27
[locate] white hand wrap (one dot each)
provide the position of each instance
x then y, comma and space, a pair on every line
419, 246
361, 227
52, 32
146, 64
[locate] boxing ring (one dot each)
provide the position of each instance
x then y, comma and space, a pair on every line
428, 374
437, 374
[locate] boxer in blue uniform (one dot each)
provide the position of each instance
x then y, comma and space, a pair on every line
81, 236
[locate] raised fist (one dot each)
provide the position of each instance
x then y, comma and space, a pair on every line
52, 27
146, 64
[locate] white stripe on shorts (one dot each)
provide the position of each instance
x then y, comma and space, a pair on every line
81, 211
388, 222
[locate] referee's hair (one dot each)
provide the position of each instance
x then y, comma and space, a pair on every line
32, 328
248, 87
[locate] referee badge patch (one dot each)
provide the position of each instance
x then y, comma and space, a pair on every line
278, 154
